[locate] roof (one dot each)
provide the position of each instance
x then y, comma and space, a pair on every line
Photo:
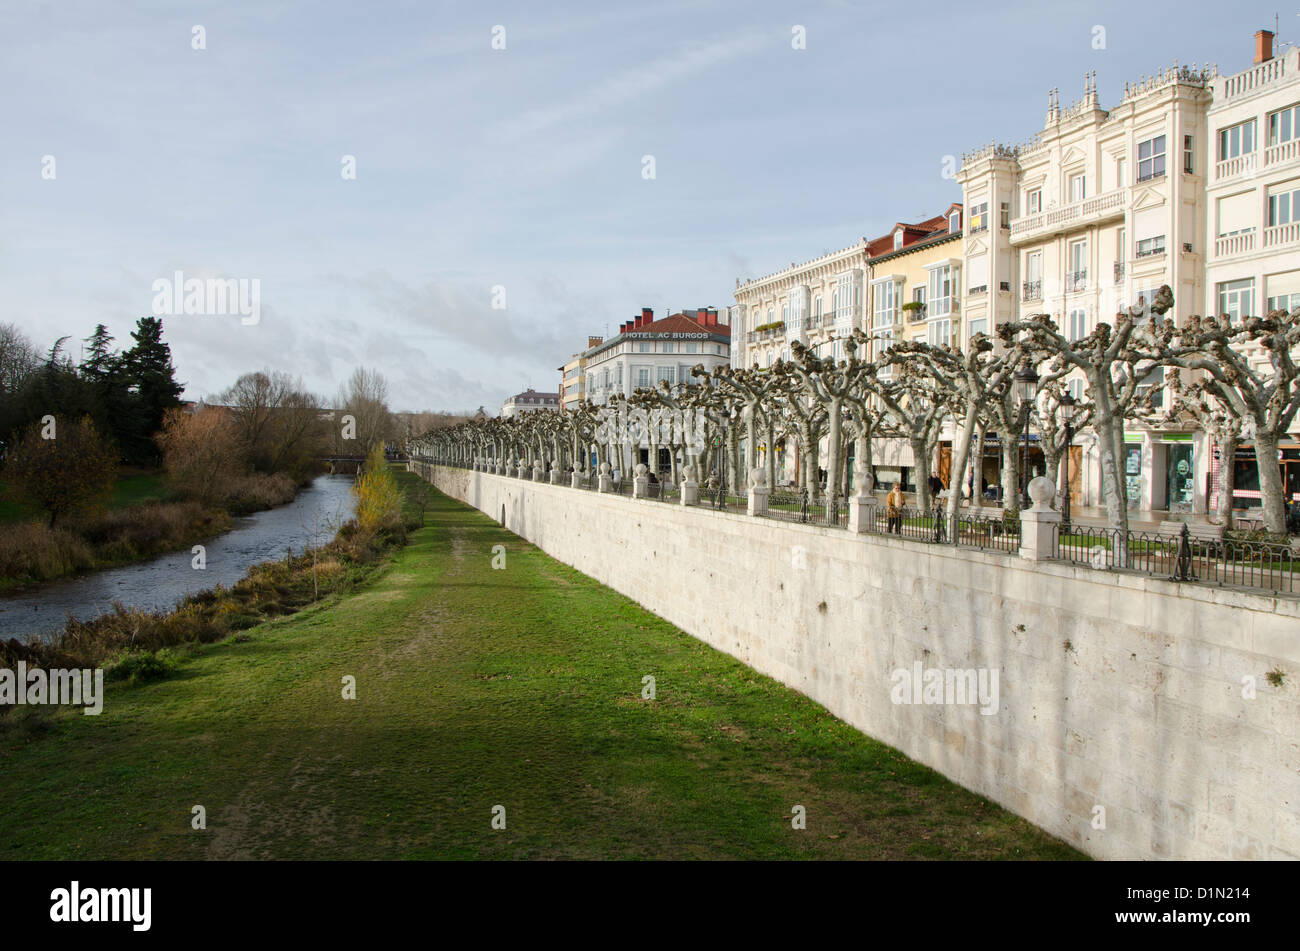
531, 394
915, 236
672, 324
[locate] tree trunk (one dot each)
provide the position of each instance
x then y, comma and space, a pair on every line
961, 453
1010, 473
920, 446
1227, 477
834, 453
1270, 481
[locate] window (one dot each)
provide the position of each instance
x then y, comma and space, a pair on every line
918, 297
940, 332
1284, 125
771, 315
1286, 302
979, 326
1005, 220
1237, 213
1237, 299
1151, 246
669, 347
1151, 158
1077, 278
1075, 388
954, 222
1121, 172
1284, 204
898, 239
785, 313
1033, 289
846, 298
646, 346
1033, 201
817, 309
979, 217
1189, 164
618, 376
665, 375
643, 377
692, 348
1078, 324
1237, 140
886, 298
940, 296
1076, 187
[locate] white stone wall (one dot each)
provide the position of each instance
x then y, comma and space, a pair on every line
1115, 691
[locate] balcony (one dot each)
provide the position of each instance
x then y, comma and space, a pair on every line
914, 314
1282, 153
1280, 235
752, 337
1032, 290
1119, 271
1226, 245
1069, 217
1076, 281
1243, 164
977, 291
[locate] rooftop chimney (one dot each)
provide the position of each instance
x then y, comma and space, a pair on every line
594, 342
1263, 46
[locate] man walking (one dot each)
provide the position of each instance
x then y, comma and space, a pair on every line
894, 510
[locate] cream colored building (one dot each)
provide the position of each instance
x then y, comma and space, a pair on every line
1097, 211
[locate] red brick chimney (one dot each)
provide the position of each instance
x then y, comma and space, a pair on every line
1263, 46
594, 342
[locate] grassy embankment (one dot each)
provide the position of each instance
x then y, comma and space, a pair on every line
475, 687
141, 520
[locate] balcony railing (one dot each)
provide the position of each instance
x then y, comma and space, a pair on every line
1237, 165
752, 336
1107, 205
1032, 290
1150, 176
1229, 244
1076, 281
1151, 252
1282, 152
976, 291
1279, 235
1119, 271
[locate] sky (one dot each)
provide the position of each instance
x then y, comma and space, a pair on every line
502, 207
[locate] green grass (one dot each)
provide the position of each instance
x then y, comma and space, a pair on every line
475, 687
133, 487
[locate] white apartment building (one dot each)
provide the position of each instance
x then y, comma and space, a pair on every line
1253, 203
817, 303
646, 352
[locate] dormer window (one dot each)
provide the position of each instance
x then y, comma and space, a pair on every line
954, 222
898, 239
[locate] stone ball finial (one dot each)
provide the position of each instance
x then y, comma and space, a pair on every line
758, 476
641, 469
865, 479
1041, 490
604, 468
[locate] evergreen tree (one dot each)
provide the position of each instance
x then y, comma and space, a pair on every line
100, 361
148, 372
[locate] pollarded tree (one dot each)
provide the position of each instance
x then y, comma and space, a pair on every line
1114, 359
1250, 369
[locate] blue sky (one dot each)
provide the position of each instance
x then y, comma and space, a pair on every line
519, 168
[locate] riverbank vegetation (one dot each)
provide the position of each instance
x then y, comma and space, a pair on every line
271, 589
105, 465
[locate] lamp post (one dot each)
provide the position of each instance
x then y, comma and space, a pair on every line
1026, 388
1067, 415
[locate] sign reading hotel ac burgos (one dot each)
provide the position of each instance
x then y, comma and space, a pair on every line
671, 334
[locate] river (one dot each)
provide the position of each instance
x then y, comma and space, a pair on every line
160, 583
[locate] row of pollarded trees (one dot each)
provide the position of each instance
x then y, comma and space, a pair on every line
1235, 380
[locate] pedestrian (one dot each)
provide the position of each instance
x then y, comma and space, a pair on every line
894, 510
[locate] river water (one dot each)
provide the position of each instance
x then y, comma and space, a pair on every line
162, 582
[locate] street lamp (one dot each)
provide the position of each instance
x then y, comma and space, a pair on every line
1026, 389
1068, 405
